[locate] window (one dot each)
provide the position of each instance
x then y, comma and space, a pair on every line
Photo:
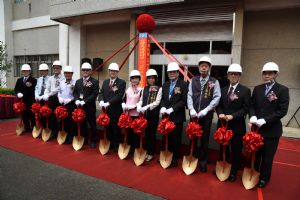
188, 47
221, 47
34, 61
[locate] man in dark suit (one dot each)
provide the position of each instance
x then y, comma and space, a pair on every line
269, 103
173, 102
85, 93
110, 98
233, 108
203, 96
24, 88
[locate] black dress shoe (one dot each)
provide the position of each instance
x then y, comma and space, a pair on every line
232, 177
93, 145
262, 183
203, 168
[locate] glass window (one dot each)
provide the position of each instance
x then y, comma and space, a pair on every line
201, 47
154, 49
221, 47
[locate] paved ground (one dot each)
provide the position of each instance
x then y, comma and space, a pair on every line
24, 177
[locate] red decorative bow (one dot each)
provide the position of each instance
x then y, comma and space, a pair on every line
139, 125
103, 119
193, 130
252, 141
19, 107
35, 107
124, 121
223, 136
61, 112
166, 126
45, 111
78, 115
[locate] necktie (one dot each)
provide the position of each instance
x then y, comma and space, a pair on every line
268, 87
202, 83
230, 93
110, 83
25, 79
172, 85
56, 82
84, 82
43, 87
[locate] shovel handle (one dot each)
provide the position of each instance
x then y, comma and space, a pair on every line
167, 142
254, 128
224, 123
192, 146
78, 130
104, 133
141, 140
125, 135
252, 160
47, 122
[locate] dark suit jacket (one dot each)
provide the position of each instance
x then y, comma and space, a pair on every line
238, 108
271, 111
27, 89
177, 100
89, 93
114, 96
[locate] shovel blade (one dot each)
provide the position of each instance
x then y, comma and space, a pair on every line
139, 156
189, 164
19, 129
223, 170
165, 158
61, 137
123, 150
46, 133
250, 178
104, 146
36, 131
77, 143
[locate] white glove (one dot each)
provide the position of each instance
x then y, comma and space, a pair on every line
105, 105
19, 95
163, 110
124, 107
40, 98
260, 122
61, 100
45, 97
144, 108
169, 111
37, 98
77, 102
202, 113
101, 103
66, 101
82, 103
193, 113
130, 107
138, 108
253, 120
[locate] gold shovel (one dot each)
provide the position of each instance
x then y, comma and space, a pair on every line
20, 127
124, 148
78, 140
37, 129
104, 143
139, 155
189, 163
223, 168
46, 133
250, 176
62, 134
165, 157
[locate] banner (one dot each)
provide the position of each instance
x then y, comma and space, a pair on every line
143, 57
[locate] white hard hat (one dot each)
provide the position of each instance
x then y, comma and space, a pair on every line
235, 68
25, 67
172, 66
68, 68
86, 66
205, 59
43, 66
135, 73
113, 66
270, 66
57, 63
151, 72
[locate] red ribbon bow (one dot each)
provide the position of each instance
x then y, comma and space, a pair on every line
252, 141
78, 115
223, 136
103, 119
193, 130
19, 107
139, 125
124, 121
166, 126
35, 107
61, 112
45, 111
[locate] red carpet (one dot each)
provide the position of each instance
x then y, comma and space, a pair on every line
151, 178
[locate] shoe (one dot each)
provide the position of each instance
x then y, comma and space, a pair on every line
203, 168
262, 183
93, 145
232, 177
149, 158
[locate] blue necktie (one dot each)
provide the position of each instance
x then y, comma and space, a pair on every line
172, 85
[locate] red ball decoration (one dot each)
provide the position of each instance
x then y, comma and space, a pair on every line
145, 23
19, 107
124, 121
139, 125
61, 112
35, 107
252, 141
103, 119
193, 130
223, 136
45, 111
166, 126
78, 115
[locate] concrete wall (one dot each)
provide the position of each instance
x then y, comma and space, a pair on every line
103, 40
273, 36
38, 8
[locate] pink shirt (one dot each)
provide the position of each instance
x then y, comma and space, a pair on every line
132, 98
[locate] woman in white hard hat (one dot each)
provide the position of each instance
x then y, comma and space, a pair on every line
269, 103
66, 97
233, 108
24, 89
132, 97
149, 105
110, 97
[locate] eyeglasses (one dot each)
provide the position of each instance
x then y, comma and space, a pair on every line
85, 70
55, 68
